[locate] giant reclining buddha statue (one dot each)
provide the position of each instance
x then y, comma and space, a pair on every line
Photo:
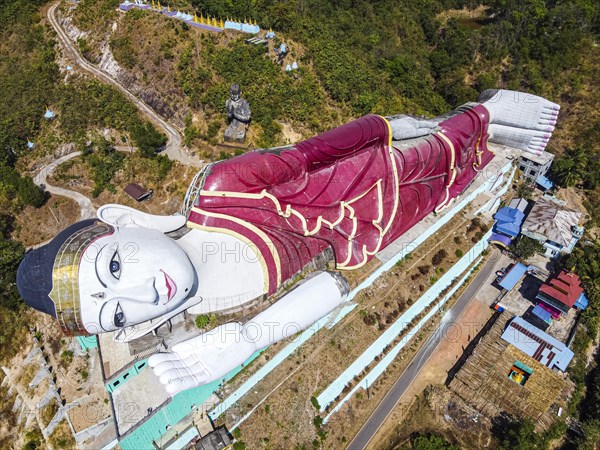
258, 219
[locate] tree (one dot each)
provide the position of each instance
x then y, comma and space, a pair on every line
147, 139
525, 247
104, 163
30, 193
11, 254
431, 441
570, 169
519, 434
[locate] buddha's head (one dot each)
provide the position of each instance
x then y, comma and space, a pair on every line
103, 274
235, 92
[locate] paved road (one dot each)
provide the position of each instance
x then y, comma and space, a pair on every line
383, 410
87, 209
173, 148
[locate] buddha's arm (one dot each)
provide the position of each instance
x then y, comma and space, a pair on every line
210, 356
242, 113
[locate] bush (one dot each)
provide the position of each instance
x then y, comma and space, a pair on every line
423, 269
439, 257
67, 357
205, 320
318, 422
459, 253
431, 442
315, 403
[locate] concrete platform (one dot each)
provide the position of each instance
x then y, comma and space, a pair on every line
138, 398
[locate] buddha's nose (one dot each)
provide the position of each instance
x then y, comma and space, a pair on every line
144, 291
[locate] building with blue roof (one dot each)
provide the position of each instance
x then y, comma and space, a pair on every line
512, 277
544, 183
582, 302
537, 344
508, 221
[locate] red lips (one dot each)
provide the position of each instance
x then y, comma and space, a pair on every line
171, 286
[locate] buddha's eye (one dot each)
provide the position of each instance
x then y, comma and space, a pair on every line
115, 266
119, 318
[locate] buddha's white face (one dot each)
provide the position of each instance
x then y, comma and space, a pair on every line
129, 277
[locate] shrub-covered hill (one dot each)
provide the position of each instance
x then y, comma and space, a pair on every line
356, 57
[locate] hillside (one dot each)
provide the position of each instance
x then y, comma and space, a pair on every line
185, 75
399, 57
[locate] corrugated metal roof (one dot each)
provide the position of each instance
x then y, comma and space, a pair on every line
582, 302
542, 347
544, 182
508, 221
513, 276
542, 313
552, 222
136, 191
519, 203
565, 288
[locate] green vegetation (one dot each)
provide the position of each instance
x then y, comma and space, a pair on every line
33, 439
520, 433
429, 441
585, 400
315, 403
204, 321
422, 60
525, 247
91, 12
581, 167
104, 162
66, 358
148, 140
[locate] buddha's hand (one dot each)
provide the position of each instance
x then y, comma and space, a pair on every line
202, 359
242, 112
407, 127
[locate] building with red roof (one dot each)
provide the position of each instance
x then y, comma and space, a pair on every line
559, 294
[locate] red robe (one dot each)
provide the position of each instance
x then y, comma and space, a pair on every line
349, 189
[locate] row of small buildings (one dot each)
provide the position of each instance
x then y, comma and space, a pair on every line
556, 227
555, 297
515, 366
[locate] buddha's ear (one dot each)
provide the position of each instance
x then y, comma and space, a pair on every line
124, 216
